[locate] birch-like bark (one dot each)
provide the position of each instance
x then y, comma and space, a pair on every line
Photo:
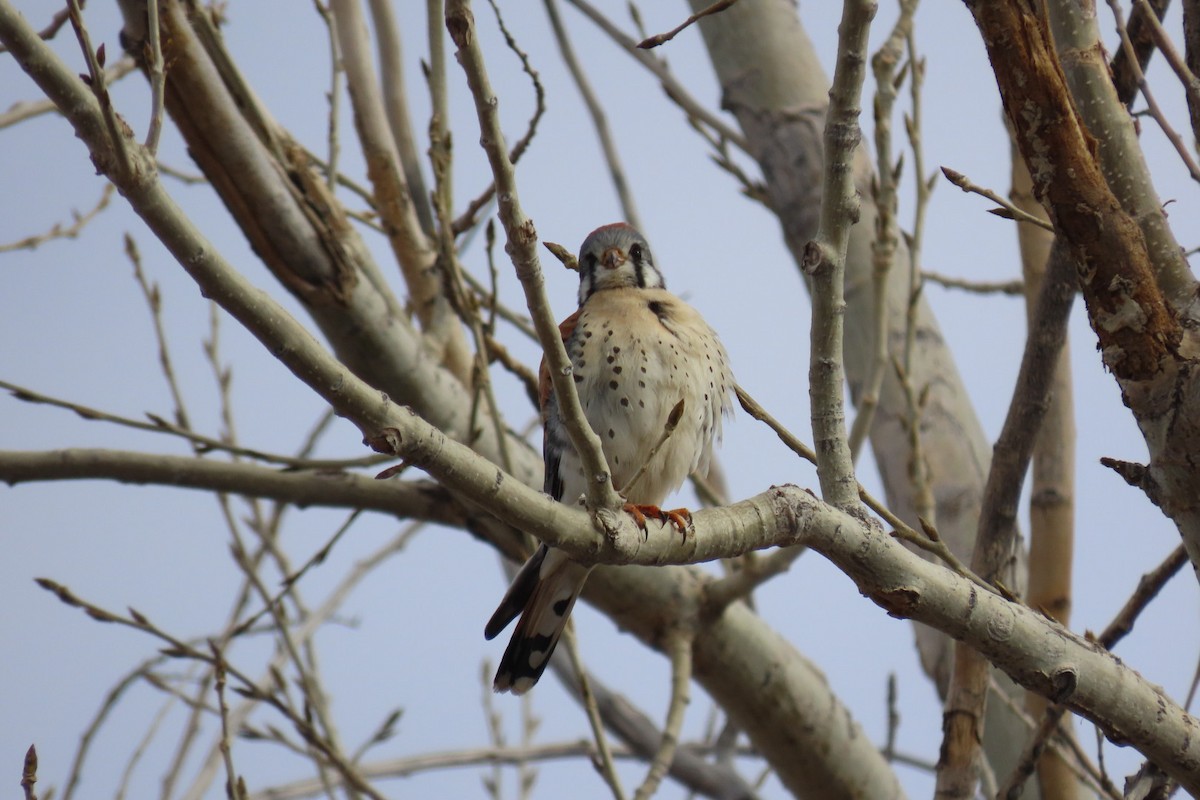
959, 762
397, 209
830, 760
774, 85
388, 39
404, 499
300, 230
825, 260
1141, 339
1052, 495
1118, 154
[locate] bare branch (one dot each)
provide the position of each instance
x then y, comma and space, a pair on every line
1013, 212
157, 77
395, 102
1189, 81
522, 247
61, 231
884, 65
663, 38
1014, 287
596, 111
679, 648
393, 195
342, 490
825, 259
675, 90
605, 763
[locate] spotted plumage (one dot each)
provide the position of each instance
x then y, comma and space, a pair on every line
636, 351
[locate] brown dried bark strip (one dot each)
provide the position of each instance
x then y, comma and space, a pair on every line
1126, 310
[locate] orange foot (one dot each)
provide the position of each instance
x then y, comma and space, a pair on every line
681, 518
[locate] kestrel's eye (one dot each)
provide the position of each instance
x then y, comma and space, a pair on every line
635, 252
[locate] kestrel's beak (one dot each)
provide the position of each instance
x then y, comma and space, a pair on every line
612, 258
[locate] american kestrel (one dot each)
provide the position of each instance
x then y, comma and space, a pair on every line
636, 351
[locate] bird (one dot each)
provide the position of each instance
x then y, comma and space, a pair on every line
640, 357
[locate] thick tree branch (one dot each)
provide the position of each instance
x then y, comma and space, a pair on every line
1052, 494
302, 488
1140, 337
778, 727
393, 196
298, 227
962, 724
782, 119
1115, 150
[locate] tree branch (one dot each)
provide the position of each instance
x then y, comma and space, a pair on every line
403, 499
825, 259
522, 248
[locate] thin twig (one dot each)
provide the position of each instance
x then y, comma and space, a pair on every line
679, 649
157, 78
407, 766
602, 498
1059, 740
662, 38
179, 648
1190, 84
740, 584
674, 89
1143, 45
928, 541
206, 443
235, 788
186, 178
52, 28
599, 119
495, 730
884, 66
333, 97
290, 582
28, 109
1010, 210
468, 312
117, 130
467, 219
153, 297
61, 231
151, 734
1014, 287
606, 766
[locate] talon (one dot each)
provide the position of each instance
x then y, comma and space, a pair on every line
682, 519
639, 518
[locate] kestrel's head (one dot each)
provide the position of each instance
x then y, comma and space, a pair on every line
616, 256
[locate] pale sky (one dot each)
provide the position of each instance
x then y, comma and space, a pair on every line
74, 325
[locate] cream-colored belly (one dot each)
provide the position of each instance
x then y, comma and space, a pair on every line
632, 367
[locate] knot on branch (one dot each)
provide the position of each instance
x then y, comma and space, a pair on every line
901, 602
460, 22
387, 441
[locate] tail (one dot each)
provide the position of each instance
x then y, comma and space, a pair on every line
543, 593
